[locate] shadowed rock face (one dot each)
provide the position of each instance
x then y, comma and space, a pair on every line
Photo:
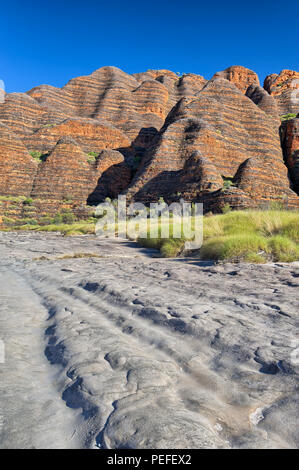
176, 134
227, 128
263, 100
290, 142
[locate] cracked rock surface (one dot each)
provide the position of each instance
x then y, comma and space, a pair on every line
125, 350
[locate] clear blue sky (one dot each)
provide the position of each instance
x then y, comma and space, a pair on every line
53, 41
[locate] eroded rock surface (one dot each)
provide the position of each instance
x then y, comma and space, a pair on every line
147, 353
157, 120
285, 90
290, 141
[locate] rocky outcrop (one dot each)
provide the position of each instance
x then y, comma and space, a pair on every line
263, 100
188, 84
24, 115
199, 175
17, 167
214, 141
283, 88
113, 174
68, 175
290, 143
241, 77
266, 180
65, 174
222, 124
111, 95
92, 135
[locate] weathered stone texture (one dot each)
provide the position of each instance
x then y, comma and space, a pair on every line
92, 135
111, 95
241, 77
285, 89
266, 180
180, 136
66, 173
17, 167
222, 124
290, 143
263, 100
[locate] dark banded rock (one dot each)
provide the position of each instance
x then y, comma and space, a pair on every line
283, 89
180, 135
24, 115
290, 144
240, 76
234, 197
65, 175
265, 180
222, 124
178, 86
17, 167
263, 100
68, 175
111, 95
92, 135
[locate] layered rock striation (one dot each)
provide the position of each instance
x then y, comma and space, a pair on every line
290, 143
285, 90
153, 134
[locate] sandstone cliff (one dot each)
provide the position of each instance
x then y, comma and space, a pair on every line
285, 89
153, 134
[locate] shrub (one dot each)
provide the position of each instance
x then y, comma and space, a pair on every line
253, 236
46, 220
227, 182
13, 198
249, 236
38, 156
48, 125
27, 221
68, 217
92, 156
8, 220
57, 219
287, 117
171, 247
28, 201
278, 205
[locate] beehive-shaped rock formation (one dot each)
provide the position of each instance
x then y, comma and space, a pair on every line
153, 134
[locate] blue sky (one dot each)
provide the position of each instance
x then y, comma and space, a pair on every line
53, 41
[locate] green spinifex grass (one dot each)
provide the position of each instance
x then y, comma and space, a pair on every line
76, 228
251, 236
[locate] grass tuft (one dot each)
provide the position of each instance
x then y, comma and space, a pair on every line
250, 236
